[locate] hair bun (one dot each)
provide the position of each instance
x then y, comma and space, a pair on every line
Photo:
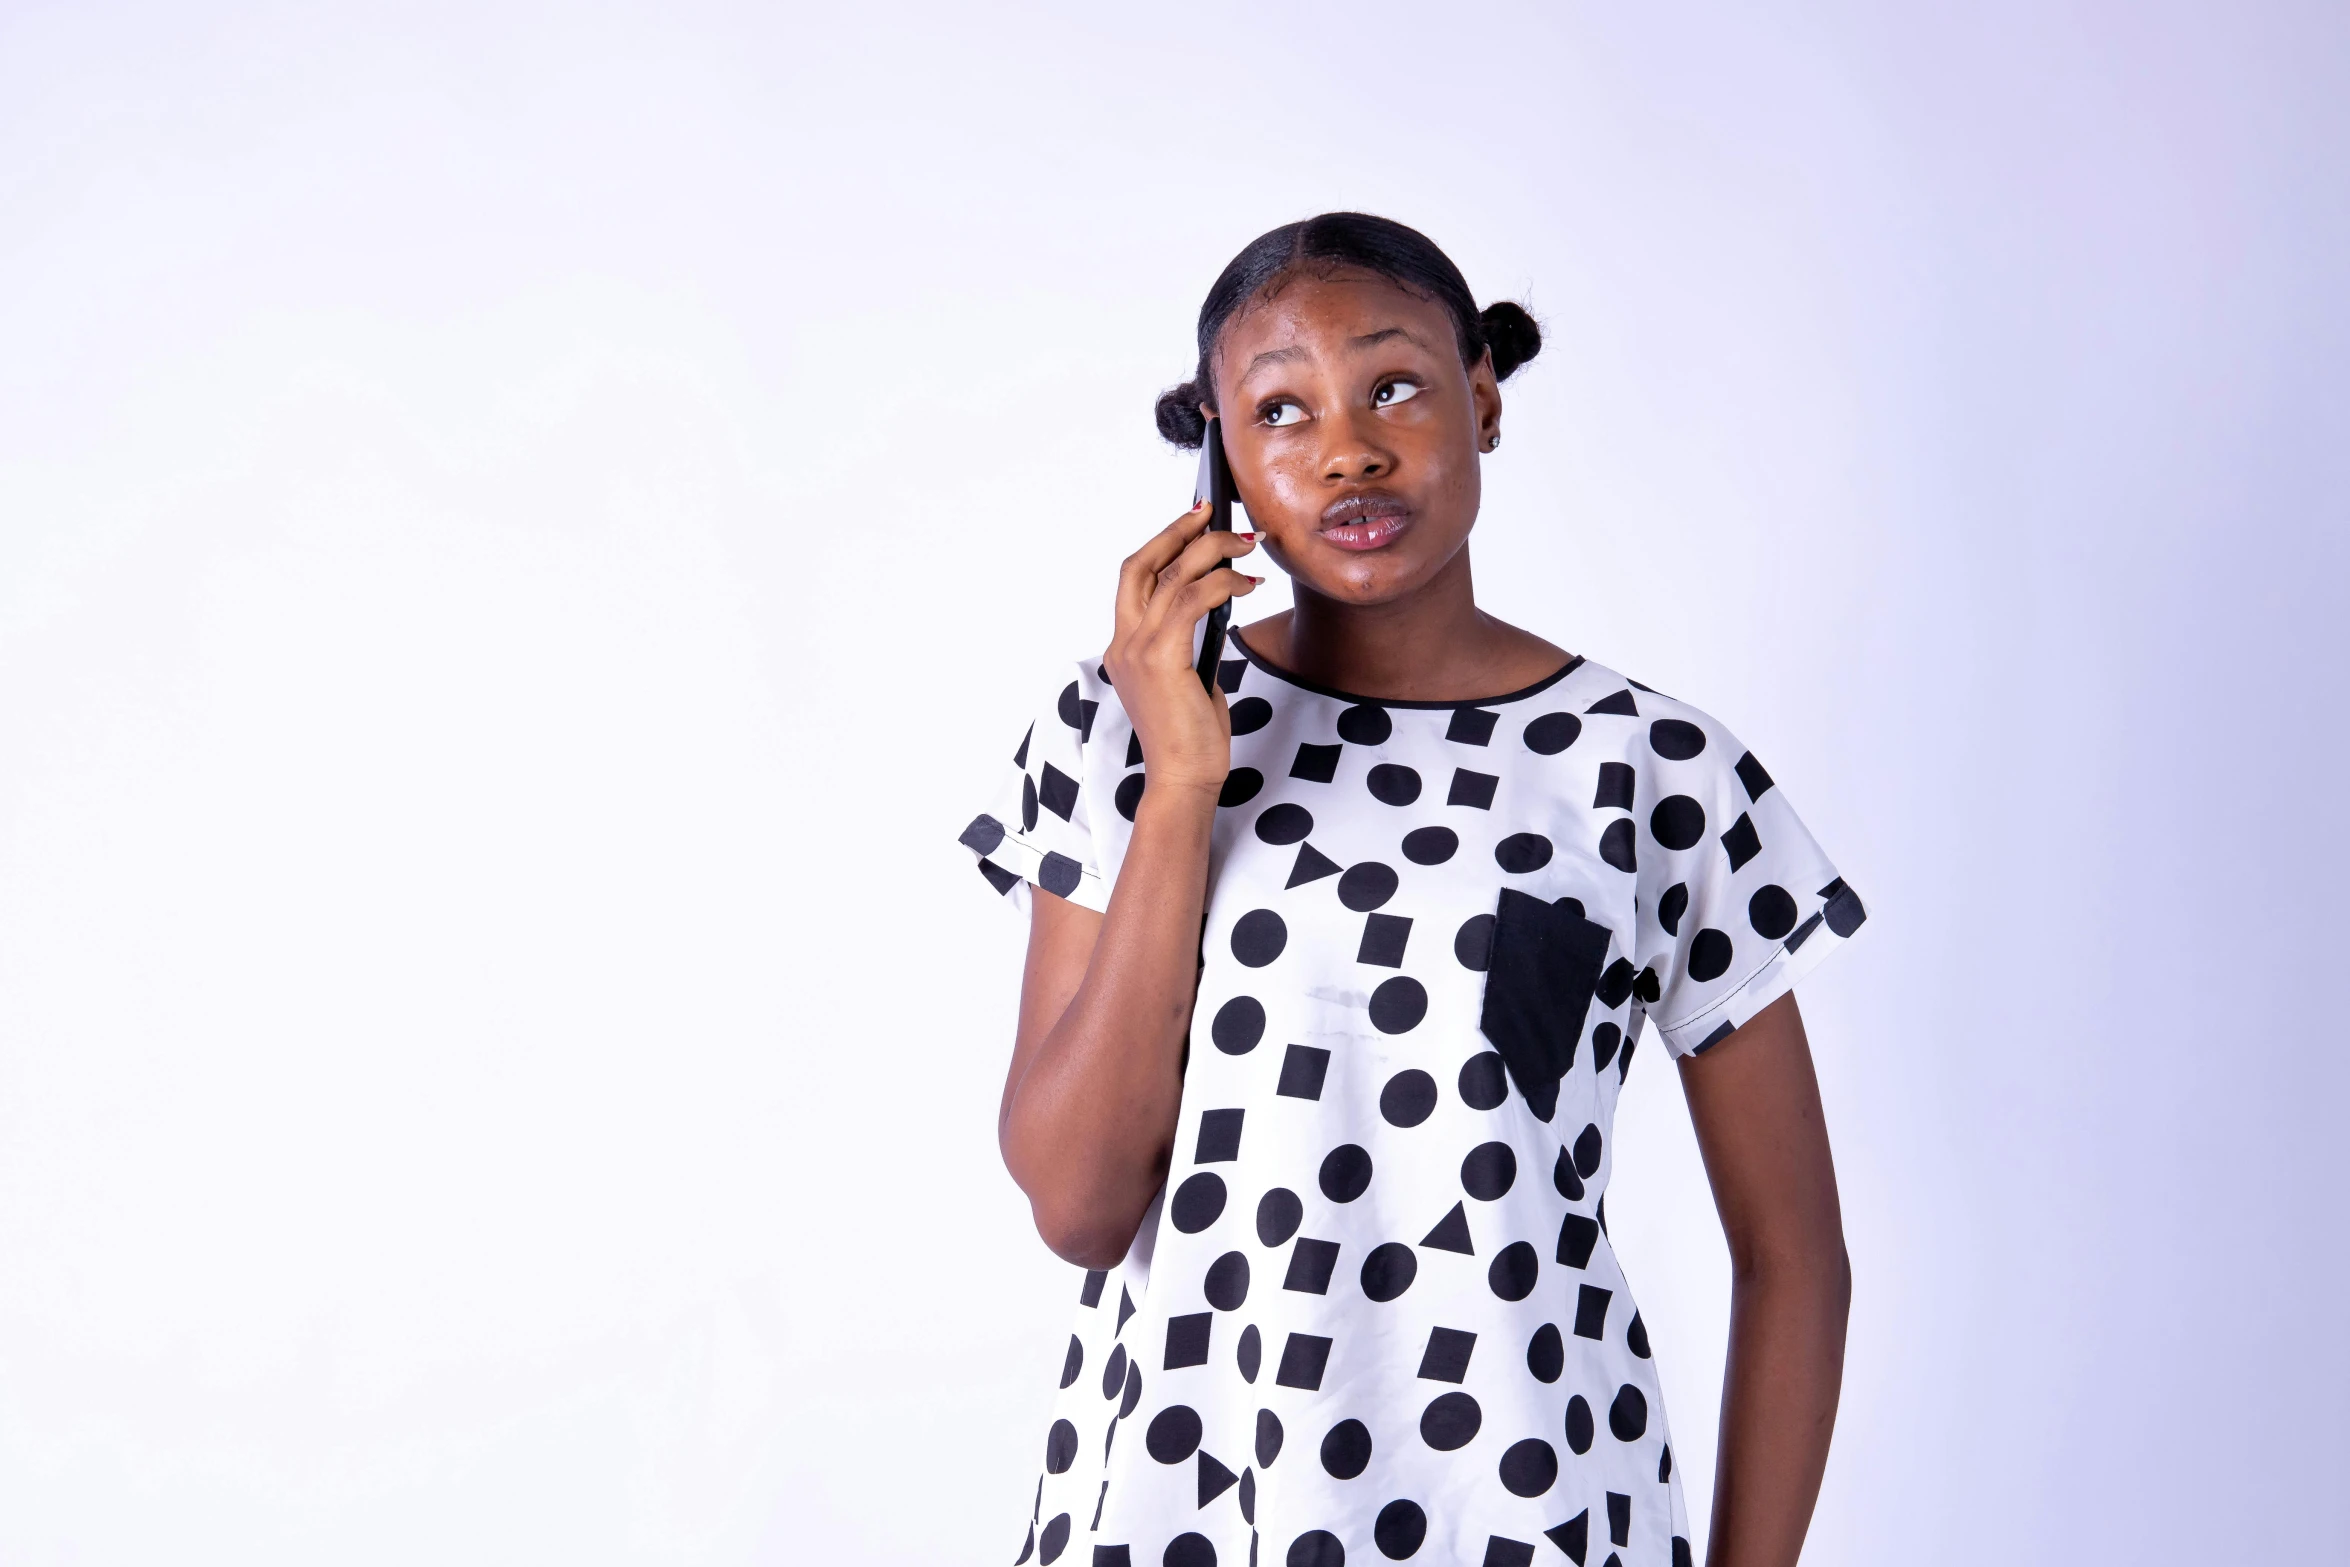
1180, 420
1510, 333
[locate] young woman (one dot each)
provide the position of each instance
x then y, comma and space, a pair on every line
1334, 976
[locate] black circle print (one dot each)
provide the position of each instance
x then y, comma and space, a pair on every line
1249, 1352
1346, 1172
1522, 852
1239, 1024
1174, 1434
1615, 847
1677, 822
1636, 1336
1074, 1362
1627, 1417
1488, 1171
1317, 1548
1430, 845
1579, 1424
1132, 1395
1364, 887
1346, 1451
1389, 1271
1190, 1550
1587, 1151
1675, 739
1409, 1098
1530, 1467
1398, 1005
1552, 733
1128, 799
1771, 911
1114, 1372
1365, 725
1473, 943
1250, 714
1268, 1438
1055, 1541
1484, 1081
1240, 786
1028, 804
1709, 955
1279, 1212
1197, 1202
1513, 1271
1227, 1284
1450, 1422
1285, 824
1400, 1529
1393, 784
1258, 937
1567, 1178
1060, 1448
1546, 1353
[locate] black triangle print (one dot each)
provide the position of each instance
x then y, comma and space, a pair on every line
1214, 1478
1312, 865
1125, 1310
1020, 757
1451, 1233
1573, 1536
1620, 704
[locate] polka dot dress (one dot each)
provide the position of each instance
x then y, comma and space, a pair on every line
1374, 1315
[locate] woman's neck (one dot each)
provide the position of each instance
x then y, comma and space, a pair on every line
1433, 645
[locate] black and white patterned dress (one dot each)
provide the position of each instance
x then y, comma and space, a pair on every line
1375, 1315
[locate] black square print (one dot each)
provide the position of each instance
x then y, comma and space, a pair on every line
1615, 787
1219, 1137
1741, 842
1471, 726
1303, 1358
1056, 791
1474, 790
1310, 1266
1316, 763
1187, 1339
1447, 1356
1302, 1071
1591, 1311
1383, 938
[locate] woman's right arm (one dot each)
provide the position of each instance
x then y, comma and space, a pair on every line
1087, 1123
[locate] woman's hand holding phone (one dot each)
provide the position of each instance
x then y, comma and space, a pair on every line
1164, 589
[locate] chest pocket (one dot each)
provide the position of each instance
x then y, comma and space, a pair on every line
1538, 987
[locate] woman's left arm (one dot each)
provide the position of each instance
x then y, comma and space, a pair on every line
1756, 1106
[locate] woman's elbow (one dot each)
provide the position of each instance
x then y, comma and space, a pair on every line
1082, 1233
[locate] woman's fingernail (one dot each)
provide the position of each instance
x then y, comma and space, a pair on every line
1252, 538
1252, 579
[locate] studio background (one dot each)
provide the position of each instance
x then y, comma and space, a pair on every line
525, 531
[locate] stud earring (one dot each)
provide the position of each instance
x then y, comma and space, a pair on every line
1493, 440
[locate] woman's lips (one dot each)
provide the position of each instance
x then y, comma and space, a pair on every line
1365, 523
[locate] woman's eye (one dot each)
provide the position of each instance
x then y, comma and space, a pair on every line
1284, 413
1393, 392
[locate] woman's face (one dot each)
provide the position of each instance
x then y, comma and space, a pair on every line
1353, 431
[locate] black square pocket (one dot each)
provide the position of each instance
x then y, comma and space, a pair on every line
1538, 986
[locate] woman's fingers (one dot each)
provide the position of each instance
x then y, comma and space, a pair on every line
1141, 569
1176, 612
1203, 555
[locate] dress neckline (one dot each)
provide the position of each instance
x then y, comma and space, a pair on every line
1573, 663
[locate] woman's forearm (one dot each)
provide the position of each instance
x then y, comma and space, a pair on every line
1779, 1395
1088, 1128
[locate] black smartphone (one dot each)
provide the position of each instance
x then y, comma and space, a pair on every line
1214, 487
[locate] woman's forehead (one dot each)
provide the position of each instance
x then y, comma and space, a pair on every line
1310, 315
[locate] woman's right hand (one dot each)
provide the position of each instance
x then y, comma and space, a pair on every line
1163, 590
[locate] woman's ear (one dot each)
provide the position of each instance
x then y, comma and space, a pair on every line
1485, 401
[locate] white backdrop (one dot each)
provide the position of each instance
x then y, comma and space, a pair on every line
526, 530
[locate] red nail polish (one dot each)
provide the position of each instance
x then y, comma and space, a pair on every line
1252, 538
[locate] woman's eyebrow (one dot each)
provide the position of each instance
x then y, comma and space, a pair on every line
1276, 356
1381, 336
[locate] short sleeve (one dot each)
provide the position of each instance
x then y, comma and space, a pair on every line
1039, 828
1737, 902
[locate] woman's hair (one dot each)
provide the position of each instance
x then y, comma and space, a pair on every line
1404, 256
